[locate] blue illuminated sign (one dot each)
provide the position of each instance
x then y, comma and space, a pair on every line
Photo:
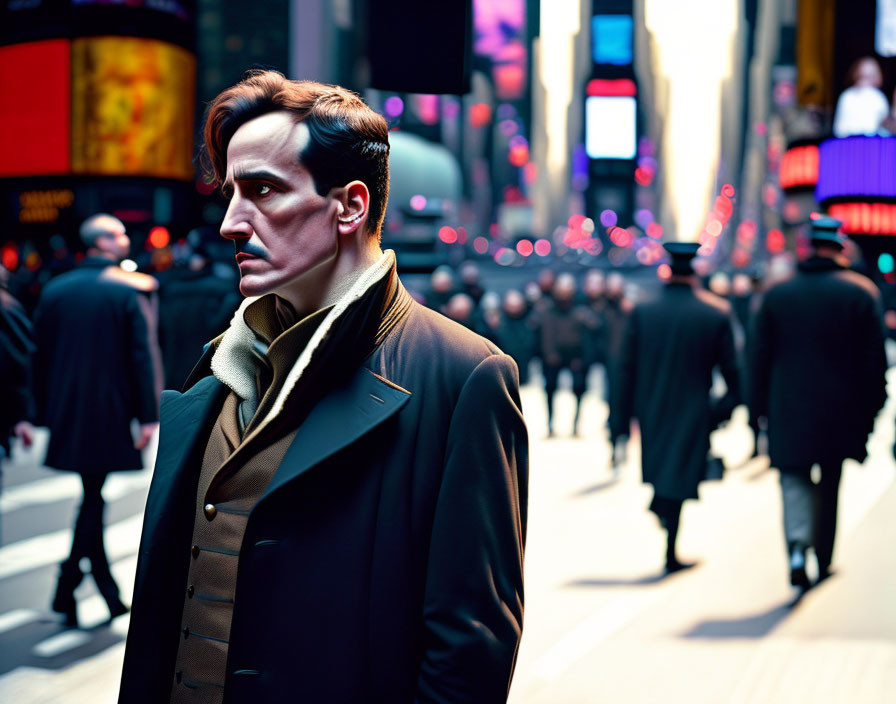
611, 39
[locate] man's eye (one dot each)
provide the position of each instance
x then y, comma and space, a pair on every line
263, 189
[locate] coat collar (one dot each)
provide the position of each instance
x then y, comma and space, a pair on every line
343, 416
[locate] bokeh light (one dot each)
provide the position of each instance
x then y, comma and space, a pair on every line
447, 234
608, 218
885, 263
542, 247
664, 271
418, 202
393, 106
480, 245
525, 248
159, 237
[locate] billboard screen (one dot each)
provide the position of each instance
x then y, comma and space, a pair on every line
132, 107
611, 39
34, 117
611, 127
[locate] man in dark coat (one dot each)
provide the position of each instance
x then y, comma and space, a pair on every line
16, 348
338, 508
93, 374
562, 334
818, 377
670, 347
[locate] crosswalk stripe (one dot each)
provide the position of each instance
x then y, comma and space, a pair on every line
16, 618
60, 643
68, 486
122, 539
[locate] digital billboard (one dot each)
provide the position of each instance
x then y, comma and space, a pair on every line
34, 114
132, 107
611, 39
611, 127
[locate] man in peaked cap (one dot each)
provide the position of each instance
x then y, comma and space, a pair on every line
818, 368
670, 347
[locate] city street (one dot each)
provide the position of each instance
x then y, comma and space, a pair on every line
601, 626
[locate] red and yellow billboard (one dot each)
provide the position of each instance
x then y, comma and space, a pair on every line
104, 106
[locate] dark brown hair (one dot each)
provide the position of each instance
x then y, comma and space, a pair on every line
349, 141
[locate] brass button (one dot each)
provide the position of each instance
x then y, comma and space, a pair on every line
210, 511
186, 632
194, 551
190, 592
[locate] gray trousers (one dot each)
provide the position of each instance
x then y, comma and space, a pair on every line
810, 509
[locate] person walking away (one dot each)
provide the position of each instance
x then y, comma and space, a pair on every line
516, 332
670, 348
562, 332
95, 372
615, 311
818, 377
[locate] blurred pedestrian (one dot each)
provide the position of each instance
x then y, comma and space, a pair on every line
348, 466
461, 309
516, 332
441, 289
94, 374
597, 331
562, 340
470, 283
16, 348
194, 308
615, 312
670, 349
818, 377
744, 301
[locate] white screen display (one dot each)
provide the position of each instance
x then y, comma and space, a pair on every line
611, 127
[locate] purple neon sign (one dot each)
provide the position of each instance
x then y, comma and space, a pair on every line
856, 167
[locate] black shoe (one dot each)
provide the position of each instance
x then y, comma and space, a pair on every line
673, 566
64, 599
117, 609
798, 576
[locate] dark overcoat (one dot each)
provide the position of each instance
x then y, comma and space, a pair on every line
669, 350
818, 365
93, 368
384, 561
16, 348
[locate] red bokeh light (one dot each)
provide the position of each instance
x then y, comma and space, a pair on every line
728, 190
542, 248
525, 248
518, 155
643, 177
655, 230
664, 271
480, 245
448, 235
159, 237
480, 114
9, 256
775, 241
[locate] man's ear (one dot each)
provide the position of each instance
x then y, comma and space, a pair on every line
354, 204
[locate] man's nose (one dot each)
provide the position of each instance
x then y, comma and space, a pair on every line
235, 225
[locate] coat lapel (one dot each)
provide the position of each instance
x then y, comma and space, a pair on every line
339, 419
182, 417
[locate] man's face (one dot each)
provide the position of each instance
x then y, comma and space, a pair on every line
114, 240
284, 233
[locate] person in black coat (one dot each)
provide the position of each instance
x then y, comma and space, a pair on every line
338, 508
515, 333
669, 351
562, 337
818, 377
94, 372
16, 348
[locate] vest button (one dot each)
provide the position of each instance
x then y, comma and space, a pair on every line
190, 591
194, 551
186, 633
210, 511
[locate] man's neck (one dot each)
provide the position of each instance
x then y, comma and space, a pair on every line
319, 289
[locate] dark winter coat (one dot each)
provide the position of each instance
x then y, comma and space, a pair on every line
562, 335
93, 369
516, 336
818, 365
16, 347
384, 561
669, 350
